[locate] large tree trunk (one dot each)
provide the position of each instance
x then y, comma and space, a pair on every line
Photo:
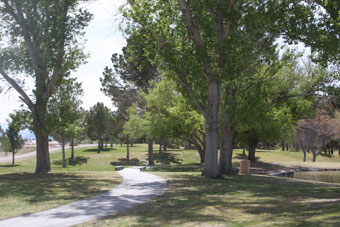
63, 151
111, 145
304, 154
211, 131
127, 149
226, 153
150, 153
43, 155
283, 145
72, 149
252, 150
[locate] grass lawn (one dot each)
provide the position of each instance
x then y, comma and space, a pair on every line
23, 192
237, 200
190, 200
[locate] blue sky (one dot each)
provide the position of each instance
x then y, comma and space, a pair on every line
103, 39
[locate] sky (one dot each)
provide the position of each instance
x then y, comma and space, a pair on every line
103, 39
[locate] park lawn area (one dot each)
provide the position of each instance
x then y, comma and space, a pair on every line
236, 200
295, 158
23, 192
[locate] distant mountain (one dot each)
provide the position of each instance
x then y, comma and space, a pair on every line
26, 134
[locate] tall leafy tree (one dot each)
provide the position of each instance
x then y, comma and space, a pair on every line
43, 43
316, 23
170, 115
202, 44
97, 119
64, 112
132, 71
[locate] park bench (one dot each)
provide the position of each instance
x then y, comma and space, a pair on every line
142, 168
119, 168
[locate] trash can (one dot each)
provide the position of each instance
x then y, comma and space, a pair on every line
244, 166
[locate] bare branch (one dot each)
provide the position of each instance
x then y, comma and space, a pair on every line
24, 97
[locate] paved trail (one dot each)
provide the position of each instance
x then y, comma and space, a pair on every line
137, 187
30, 154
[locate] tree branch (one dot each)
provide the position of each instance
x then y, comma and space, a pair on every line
24, 97
198, 104
20, 19
195, 35
60, 57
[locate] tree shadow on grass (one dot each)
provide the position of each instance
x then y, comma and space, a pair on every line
327, 155
132, 162
36, 188
167, 158
192, 167
239, 200
78, 160
8, 166
107, 149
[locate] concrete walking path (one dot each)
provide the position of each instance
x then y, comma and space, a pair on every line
137, 187
33, 153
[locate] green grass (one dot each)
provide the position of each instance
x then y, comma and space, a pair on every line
22, 191
236, 200
190, 200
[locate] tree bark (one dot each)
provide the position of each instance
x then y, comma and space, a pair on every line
160, 147
13, 157
283, 145
111, 145
211, 131
63, 151
43, 164
201, 153
314, 157
252, 149
43, 155
72, 149
127, 149
226, 153
99, 145
304, 154
150, 152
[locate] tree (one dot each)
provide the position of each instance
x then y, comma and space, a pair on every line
97, 123
201, 44
131, 72
315, 134
64, 112
11, 139
169, 115
316, 23
43, 39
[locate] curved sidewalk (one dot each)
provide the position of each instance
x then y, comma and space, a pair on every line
137, 187
33, 153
